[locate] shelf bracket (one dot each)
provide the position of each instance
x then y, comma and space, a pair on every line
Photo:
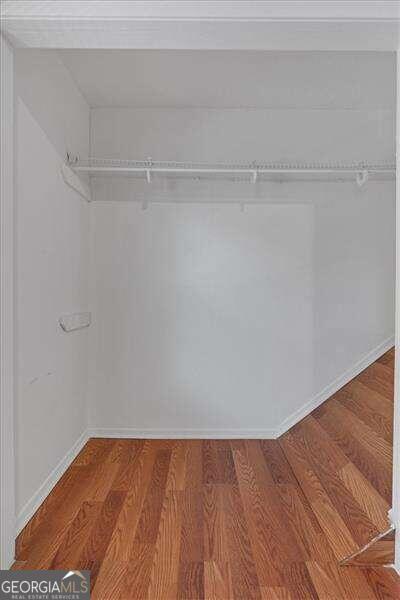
74, 181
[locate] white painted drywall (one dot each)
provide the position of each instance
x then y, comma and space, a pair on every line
52, 271
7, 301
244, 134
210, 319
156, 78
396, 432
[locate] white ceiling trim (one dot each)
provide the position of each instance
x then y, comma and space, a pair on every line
203, 25
225, 10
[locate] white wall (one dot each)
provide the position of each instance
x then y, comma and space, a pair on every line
276, 135
52, 272
209, 319
7, 301
226, 79
396, 433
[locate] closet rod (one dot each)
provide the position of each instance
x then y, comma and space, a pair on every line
361, 170
228, 170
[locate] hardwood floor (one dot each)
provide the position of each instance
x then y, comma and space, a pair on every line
230, 519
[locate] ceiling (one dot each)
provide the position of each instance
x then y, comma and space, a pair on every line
233, 79
222, 24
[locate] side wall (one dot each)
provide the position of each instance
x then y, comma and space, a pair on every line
213, 321
7, 300
396, 435
52, 273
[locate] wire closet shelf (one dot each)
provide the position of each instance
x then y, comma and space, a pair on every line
252, 172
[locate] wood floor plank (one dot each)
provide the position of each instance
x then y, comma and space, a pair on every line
260, 467
319, 446
369, 438
299, 582
373, 400
214, 526
316, 450
94, 451
326, 581
357, 401
264, 537
355, 584
304, 524
226, 463
366, 495
127, 456
276, 593
76, 536
194, 464
272, 547
48, 536
192, 530
177, 469
148, 525
110, 582
384, 582
104, 474
277, 462
336, 582
122, 450
379, 377
210, 462
56, 513
388, 358
245, 582
93, 552
165, 570
378, 473
217, 461
137, 575
332, 524
53, 503
191, 581
191, 567
18, 565
128, 518
217, 580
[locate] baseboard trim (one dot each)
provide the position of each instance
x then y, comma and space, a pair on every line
41, 494
220, 434
333, 387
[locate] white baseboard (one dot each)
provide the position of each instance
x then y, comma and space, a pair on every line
333, 387
41, 494
220, 434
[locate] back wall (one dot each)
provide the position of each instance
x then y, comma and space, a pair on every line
212, 321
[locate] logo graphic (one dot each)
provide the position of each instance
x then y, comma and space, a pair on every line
70, 573
52, 585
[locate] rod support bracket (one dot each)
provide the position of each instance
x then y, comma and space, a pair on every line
362, 177
71, 159
148, 170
